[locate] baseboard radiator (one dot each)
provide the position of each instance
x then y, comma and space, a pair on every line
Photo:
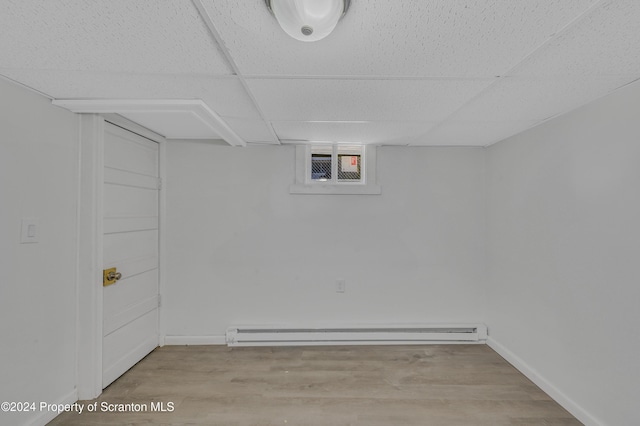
358, 335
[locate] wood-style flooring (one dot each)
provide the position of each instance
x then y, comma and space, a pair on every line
345, 385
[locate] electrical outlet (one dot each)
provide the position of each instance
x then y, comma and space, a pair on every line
341, 285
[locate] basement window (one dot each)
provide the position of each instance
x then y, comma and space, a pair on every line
335, 169
336, 164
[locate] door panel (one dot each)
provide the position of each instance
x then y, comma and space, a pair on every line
123, 348
125, 246
128, 314
133, 289
123, 177
114, 225
130, 244
142, 154
130, 202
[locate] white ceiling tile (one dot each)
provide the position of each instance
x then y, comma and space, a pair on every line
361, 100
381, 132
535, 99
147, 36
467, 133
225, 95
606, 42
253, 131
390, 37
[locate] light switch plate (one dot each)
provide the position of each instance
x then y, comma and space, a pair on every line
30, 230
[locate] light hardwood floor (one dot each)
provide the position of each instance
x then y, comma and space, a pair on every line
344, 385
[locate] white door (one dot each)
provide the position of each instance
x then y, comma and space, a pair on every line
130, 244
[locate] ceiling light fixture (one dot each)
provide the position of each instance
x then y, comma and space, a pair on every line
308, 20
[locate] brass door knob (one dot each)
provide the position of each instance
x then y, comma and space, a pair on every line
114, 276
110, 276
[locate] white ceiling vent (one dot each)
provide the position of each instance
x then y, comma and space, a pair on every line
173, 119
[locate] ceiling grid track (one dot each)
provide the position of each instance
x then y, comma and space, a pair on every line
361, 77
218, 39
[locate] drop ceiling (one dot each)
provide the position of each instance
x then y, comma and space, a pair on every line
421, 72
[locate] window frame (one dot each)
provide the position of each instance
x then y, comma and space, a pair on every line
335, 174
367, 184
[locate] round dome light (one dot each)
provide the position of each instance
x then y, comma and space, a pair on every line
308, 20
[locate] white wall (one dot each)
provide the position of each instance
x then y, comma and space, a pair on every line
241, 249
564, 247
38, 178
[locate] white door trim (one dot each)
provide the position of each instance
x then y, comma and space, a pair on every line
90, 234
89, 296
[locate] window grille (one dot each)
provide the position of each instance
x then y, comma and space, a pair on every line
335, 164
349, 167
321, 167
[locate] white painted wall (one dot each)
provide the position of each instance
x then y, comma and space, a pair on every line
564, 246
241, 249
38, 178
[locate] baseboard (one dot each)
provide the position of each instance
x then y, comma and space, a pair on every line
46, 416
194, 340
560, 397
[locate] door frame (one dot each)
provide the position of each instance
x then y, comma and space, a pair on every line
89, 318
